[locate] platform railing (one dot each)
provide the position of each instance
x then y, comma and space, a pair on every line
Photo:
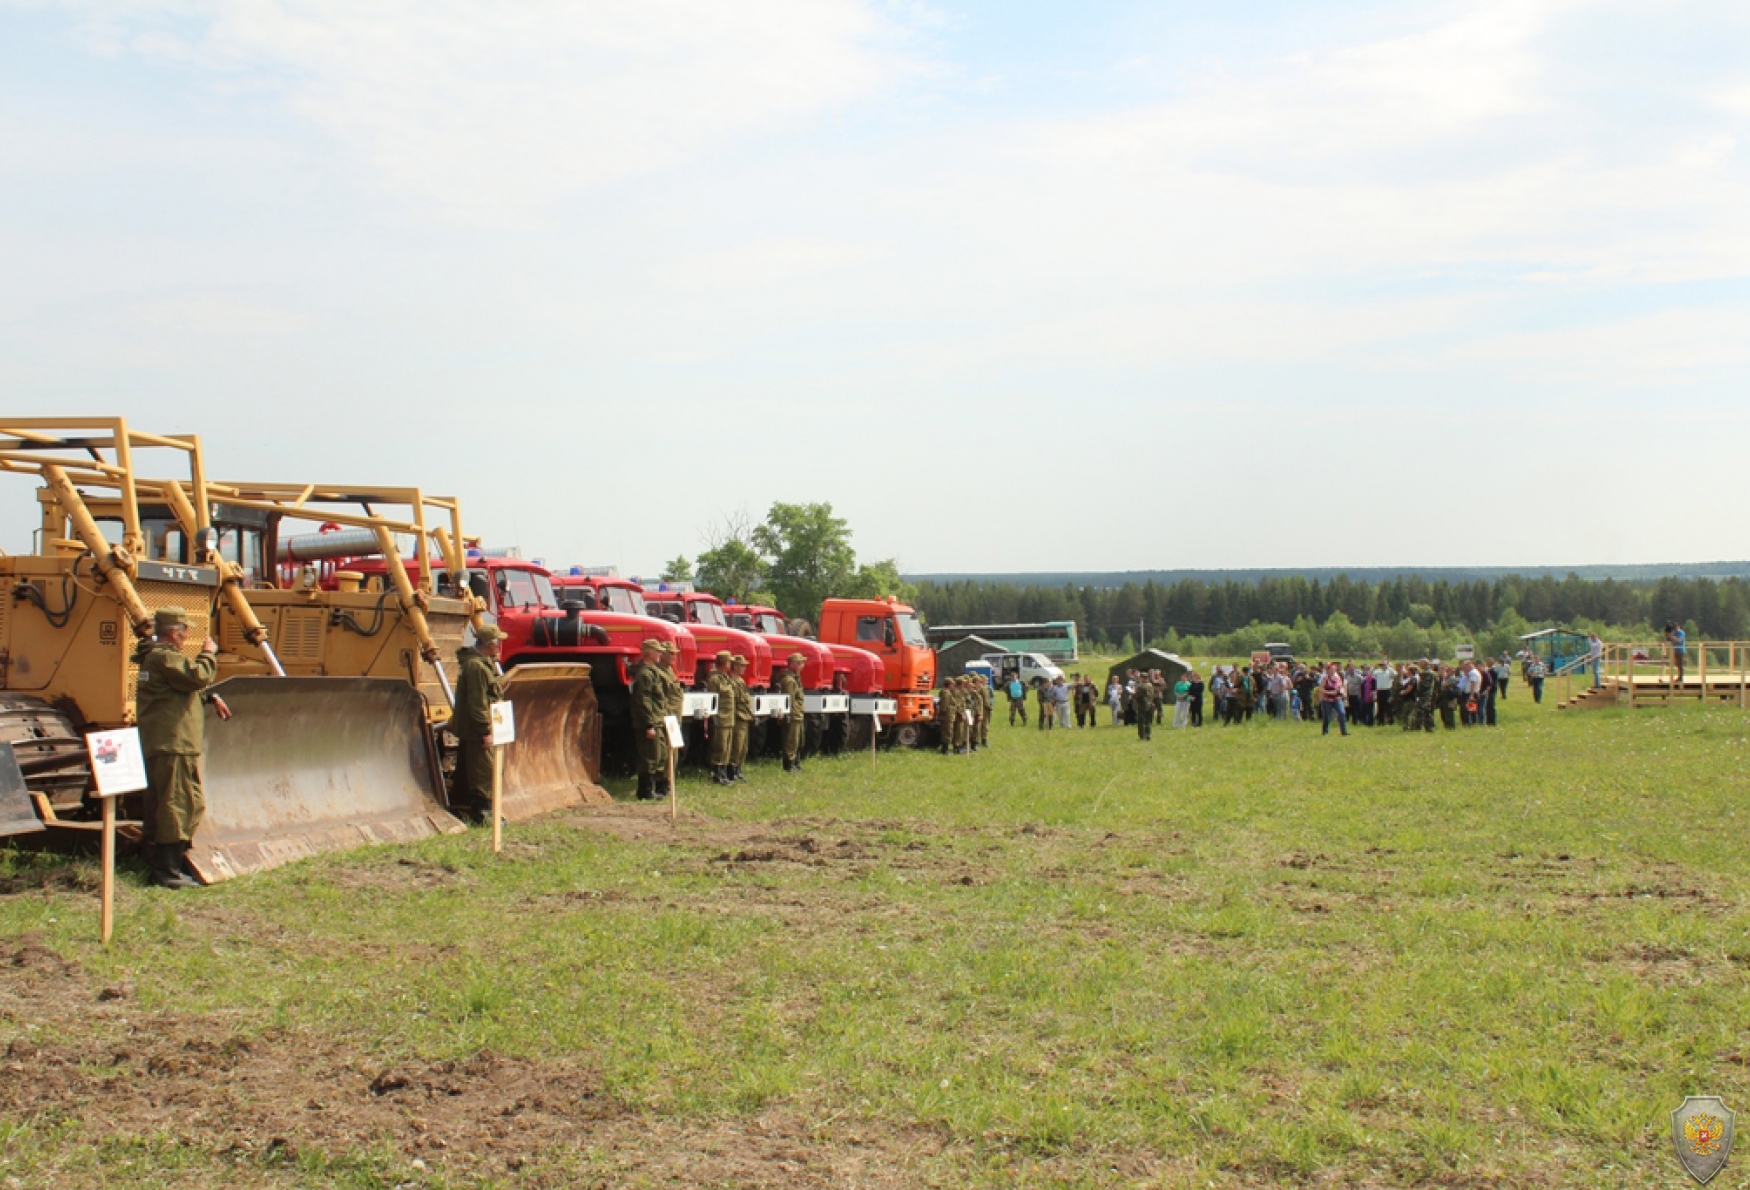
1711, 669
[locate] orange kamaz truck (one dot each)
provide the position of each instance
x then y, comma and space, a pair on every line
890, 630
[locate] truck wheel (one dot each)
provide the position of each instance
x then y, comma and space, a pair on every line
907, 735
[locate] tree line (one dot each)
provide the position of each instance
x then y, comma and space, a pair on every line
799, 556
1407, 616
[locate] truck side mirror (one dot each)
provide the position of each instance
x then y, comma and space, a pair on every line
887, 633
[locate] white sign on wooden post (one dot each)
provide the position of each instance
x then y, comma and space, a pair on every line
676, 738
117, 762
503, 724
119, 766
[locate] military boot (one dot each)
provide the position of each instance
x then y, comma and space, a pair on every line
167, 867
643, 786
797, 764
788, 765
735, 775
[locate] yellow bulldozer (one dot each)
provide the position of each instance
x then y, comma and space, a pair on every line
331, 747
380, 620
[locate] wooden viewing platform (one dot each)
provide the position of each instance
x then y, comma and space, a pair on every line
1643, 675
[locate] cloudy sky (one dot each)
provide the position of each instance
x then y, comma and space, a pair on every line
1012, 285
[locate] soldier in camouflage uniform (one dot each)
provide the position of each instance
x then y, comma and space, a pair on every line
986, 705
719, 682
677, 697
947, 713
1144, 702
963, 727
743, 716
1427, 688
1404, 696
790, 683
477, 688
172, 724
649, 705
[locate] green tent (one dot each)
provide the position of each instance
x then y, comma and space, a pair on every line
1171, 666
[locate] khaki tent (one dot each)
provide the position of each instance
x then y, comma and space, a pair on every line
1171, 666
951, 661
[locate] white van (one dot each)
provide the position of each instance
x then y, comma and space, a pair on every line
1028, 665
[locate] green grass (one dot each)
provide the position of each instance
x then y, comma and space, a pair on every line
1229, 957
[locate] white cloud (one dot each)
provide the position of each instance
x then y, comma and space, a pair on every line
488, 110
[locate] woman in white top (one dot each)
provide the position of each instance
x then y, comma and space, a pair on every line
1115, 698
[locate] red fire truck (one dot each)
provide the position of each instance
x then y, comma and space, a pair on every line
522, 599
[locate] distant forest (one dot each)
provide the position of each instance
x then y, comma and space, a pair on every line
1404, 616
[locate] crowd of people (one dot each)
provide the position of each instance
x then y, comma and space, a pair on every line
1411, 695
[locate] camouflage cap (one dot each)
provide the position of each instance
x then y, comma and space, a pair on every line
654, 644
725, 655
668, 646
802, 657
170, 617
488, 632
738, 659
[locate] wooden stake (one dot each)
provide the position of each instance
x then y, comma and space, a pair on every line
107, 914
497, 799
673, 796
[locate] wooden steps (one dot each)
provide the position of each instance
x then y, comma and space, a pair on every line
1591, 698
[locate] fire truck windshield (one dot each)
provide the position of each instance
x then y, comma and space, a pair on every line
771, 624
523, 588
704, 612
627, 600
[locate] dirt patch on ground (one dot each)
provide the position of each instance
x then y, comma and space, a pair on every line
402, 872
847, 848
67, 878
86, 1057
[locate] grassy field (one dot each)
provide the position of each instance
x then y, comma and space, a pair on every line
1231, 957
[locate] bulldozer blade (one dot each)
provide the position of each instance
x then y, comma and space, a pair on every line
314, 764
17, 815
556, 760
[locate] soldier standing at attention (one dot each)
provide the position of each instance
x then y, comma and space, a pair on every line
975, 704
946, 712
477, 688
790, 683
1144, 701
743, 717
168, 711
986, 704
649, 705
1047, 706
1427, 686
719, 682
677, 699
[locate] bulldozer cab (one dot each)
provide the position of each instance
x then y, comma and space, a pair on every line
375, 582
84, 594
299, 769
